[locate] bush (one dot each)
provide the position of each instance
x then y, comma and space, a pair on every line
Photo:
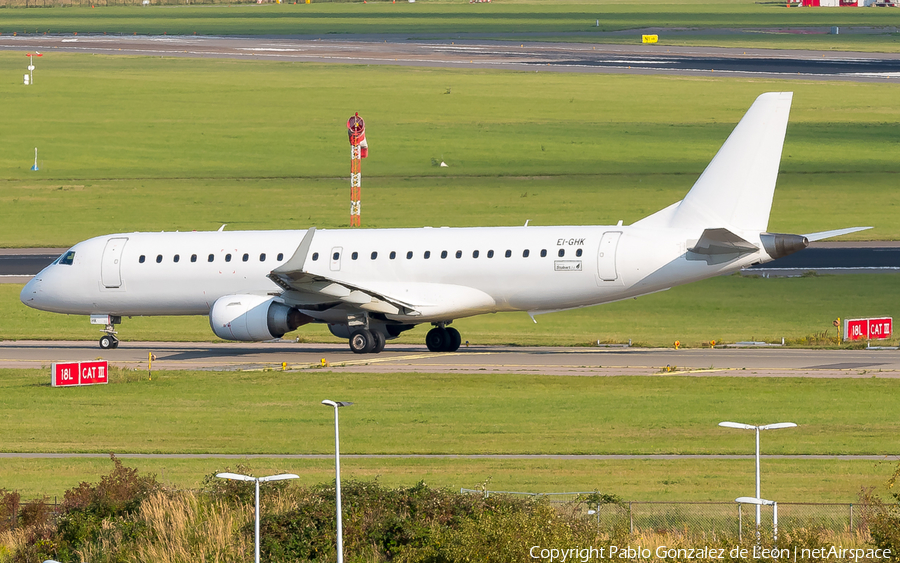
9, 509
883, 519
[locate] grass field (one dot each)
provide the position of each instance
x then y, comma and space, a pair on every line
725, 309
645, 480
219, 141
515, 20
162, 144
195, 412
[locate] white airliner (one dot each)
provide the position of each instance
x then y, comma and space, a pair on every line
369, 285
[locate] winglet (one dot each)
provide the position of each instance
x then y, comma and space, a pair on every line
295, 263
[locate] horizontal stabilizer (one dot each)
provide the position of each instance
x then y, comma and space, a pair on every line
722, 241
835, 233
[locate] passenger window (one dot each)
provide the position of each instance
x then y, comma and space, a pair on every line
543, 253
374, 255
262, 257
562, 252
409, 255
474, 254
67, 258
459, 253
141, 259
211, 258
336, 256
315, 256
280, 257
354, 256
176, 258
508, 253
158, 258
193, 257
525, 253
245, 257
490, 253
392, 255
228, 257
427, 254
443, 254
578, 253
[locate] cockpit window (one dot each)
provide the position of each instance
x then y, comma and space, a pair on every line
68, 258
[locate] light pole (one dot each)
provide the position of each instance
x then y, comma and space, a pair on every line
337, 476
759, 502
257, 480
742, 426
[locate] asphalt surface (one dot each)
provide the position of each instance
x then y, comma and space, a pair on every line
475, 53
397, 358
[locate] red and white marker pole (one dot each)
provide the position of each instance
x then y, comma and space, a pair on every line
359, 149
31, 66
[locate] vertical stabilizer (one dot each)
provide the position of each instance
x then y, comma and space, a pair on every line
736, 189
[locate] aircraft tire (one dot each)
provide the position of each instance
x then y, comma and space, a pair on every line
107, 342
454, 340
379, 342
437, 339
362, 341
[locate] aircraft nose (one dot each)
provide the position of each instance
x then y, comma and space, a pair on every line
31, 293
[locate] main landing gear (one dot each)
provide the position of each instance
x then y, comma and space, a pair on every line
365, 341
441, 339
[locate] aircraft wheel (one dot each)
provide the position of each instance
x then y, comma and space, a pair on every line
115, 343
379, 342
362, 341
437, 339
453, 341
108, 341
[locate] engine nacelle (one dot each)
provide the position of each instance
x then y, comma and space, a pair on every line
249, 317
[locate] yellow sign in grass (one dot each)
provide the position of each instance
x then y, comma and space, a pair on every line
649, 38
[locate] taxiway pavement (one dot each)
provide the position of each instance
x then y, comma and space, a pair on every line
400, 358
472, 52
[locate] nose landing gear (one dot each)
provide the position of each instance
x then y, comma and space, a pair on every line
108, 341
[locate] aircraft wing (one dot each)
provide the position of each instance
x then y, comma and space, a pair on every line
312, 291
424, 300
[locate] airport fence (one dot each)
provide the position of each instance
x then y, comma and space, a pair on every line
703, 517
633, 516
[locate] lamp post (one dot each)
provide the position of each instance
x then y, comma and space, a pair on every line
337, 475
742, 426
257, 480
759, 502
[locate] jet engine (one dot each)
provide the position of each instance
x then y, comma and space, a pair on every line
253, 317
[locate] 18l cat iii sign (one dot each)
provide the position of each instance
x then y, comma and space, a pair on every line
868, 329
70, 374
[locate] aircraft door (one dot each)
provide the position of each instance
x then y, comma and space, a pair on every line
336, 258
111, 263
606, 257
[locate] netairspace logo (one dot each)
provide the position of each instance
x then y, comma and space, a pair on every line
663, 553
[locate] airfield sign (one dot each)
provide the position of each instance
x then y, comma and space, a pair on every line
868, 329
72, 374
